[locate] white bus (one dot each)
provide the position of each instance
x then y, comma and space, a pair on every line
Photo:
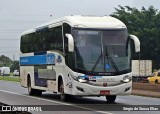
78, 55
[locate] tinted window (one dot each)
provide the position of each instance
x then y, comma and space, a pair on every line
102, 50
43, 40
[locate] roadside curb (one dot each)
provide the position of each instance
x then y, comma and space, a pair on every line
146, 87
146, 93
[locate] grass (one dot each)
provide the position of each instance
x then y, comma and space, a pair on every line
10, 78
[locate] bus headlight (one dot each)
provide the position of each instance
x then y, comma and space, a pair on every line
81, 79
126, 79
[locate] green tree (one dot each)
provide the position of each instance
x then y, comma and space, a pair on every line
145, 24
15, 65
5, 61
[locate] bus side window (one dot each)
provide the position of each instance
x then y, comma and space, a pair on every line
55, 39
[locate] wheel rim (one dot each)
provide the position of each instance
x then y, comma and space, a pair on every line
62, 89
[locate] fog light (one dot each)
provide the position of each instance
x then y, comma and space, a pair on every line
80, 89
127, 89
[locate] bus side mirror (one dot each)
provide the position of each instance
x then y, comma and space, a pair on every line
70, 42
136, 43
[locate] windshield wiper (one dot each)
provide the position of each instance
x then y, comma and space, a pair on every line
113, 63
99, 58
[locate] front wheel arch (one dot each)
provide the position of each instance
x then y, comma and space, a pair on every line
59, 82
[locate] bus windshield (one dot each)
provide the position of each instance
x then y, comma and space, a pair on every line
103, 51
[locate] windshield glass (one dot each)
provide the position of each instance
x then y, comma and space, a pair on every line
154, 74
102, 50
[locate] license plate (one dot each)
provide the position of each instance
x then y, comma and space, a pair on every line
105, 92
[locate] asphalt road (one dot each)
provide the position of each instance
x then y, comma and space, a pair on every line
12, 93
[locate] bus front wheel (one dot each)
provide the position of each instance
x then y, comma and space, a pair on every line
62, 94
111, 98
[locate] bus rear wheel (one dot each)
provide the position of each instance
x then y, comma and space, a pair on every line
38, 92
111, 98
30, 90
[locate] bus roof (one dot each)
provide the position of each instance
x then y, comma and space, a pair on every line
100, 22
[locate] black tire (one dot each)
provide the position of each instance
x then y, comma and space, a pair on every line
111, 98
63, 96
30, 90
156, 82
38, 92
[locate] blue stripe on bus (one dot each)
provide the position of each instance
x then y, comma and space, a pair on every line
38, 59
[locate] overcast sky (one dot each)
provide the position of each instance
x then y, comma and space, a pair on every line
17, 16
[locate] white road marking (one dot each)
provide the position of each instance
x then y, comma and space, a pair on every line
103, 112
118, 99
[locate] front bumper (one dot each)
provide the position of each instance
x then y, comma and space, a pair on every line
84, 89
